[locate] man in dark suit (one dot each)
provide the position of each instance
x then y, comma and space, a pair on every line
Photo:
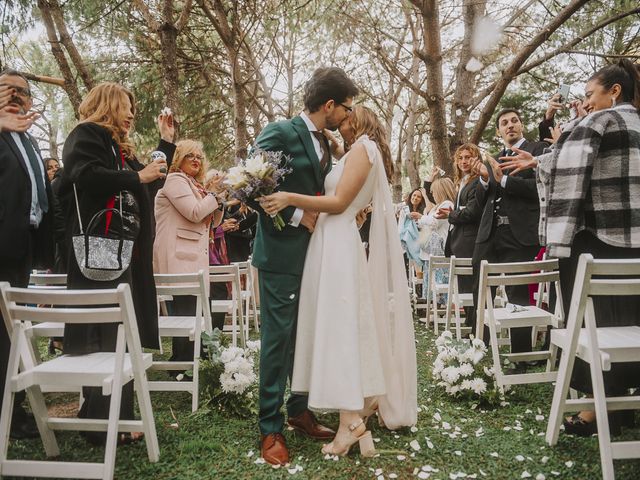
26, 205
508, 230
279, 254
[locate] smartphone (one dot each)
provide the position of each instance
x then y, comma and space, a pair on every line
563, 90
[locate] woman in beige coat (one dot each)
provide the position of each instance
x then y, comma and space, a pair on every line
184, 210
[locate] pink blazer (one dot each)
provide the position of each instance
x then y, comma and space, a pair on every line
182, 227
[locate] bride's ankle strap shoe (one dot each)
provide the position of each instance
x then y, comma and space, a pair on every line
343, 443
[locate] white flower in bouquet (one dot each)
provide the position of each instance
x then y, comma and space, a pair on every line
452, 389
236, 177
478, 344
466, 369
466, 384
256, 165
488, 371
231, 353
253, 345
444, 338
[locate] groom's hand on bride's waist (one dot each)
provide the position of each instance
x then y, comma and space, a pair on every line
309, 220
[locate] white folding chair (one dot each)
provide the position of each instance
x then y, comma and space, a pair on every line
434, 289
456, 300
48, 281
172, 286
600, 347
233, 307
109, 370
500, 320
248, 294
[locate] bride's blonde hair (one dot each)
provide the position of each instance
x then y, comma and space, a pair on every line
104, 106
365, 122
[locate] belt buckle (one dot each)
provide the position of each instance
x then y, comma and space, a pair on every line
501, 220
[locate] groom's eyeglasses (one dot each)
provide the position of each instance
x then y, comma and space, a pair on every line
347, 108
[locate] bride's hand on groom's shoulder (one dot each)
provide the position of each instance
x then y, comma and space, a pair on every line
275, 202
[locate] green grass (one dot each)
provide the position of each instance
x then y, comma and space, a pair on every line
210, 445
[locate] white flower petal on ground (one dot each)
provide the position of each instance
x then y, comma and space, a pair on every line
539, 418
429, 444
423, 475
259, 461
569, 464
446, 425
401, 457
414, 429
393, 475
540, 476
437, 417
458, 453
494, 454
553, 472
520, 458
250, 454
525, 474
544, 459
415, 445
482, 472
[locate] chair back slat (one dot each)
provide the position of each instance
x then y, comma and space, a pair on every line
523, 279
62, 297
615, 287
462, 262
522, 267
464, 271
616, 268
38, 314
48, 279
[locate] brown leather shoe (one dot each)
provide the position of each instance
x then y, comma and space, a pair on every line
273, 449
307, 423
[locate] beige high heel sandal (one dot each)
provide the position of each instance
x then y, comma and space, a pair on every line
365, 442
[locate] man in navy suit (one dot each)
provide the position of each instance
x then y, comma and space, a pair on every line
508, 230
26, 205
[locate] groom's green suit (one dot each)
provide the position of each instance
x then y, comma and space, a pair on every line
279, 257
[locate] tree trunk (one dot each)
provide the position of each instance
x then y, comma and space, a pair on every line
69, 81
67, 41
472, 10
170, 74
432, 58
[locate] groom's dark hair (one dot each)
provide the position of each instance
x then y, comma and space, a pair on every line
328, 83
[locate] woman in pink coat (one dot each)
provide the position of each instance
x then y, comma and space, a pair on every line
184, 210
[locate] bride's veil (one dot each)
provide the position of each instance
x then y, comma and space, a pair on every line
391, 304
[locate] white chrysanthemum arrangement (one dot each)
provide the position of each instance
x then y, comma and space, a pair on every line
228, 375
460, 370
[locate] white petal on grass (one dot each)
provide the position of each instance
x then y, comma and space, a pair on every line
437, 417
393, 475
520, 458
458, 453
378, 472
540, 476
494, 454
525, 474
446, 425
424, 475
569, 464
429, 444
401, 457
482, 472
414, 429
486, 35
250, 454
544, 459
415, 445
539, 418
555, 473
259, 461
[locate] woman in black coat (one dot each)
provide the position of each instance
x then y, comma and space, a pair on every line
465, 217
100, 161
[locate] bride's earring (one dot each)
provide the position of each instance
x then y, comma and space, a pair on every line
613, 102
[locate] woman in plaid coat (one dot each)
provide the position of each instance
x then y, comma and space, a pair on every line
589, 189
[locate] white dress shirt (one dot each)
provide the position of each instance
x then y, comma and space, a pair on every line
297, 215
503, 181
35, 213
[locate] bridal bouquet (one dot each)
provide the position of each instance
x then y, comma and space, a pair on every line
460, 369
228, 375
257, 176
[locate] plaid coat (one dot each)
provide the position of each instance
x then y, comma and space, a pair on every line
591, 180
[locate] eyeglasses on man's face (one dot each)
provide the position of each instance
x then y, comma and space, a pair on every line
24, 92
347, 108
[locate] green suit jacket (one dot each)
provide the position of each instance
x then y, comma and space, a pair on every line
284, 251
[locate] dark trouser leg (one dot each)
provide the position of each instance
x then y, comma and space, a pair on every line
482, 251
218, 291
182, 347
17, 274
278, 311
509, 250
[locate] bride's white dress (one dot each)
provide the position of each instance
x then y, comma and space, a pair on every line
355, 329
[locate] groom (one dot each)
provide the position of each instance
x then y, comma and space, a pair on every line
279, 255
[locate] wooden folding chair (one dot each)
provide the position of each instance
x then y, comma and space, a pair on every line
434, 289
233, 307
172, 286
500, 320
456, 300
600, 347
248, 294
108, 370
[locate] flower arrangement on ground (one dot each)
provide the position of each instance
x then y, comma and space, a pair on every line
228, 375
257, 176
460, 369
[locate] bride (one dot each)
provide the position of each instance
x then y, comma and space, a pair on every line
355, 348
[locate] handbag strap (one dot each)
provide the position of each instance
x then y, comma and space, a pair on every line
75, 193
